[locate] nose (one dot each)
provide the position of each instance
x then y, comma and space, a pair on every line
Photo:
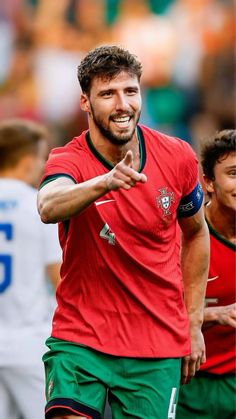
121, 102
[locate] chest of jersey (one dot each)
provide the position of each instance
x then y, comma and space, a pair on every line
146, 214
221, 278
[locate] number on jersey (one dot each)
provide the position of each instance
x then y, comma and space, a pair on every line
107, 234
5, 260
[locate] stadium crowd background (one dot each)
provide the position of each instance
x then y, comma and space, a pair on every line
186, 48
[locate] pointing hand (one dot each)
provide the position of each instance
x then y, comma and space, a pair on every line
123, 175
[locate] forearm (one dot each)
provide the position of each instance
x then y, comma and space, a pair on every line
195, 254
195, 263
59, 201
224, 315
211, 315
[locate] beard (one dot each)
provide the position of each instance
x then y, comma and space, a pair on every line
117, 139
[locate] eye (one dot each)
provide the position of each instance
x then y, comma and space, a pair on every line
232, 173
106, 94
131, 91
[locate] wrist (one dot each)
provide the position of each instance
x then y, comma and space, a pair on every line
211, 314
104, 179
196, 321
102, 184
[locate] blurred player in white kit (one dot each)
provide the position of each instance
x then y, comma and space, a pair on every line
29, 254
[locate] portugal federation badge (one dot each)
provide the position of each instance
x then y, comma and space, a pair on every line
164, 200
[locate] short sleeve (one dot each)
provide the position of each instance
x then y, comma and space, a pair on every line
189, 169
61, 162
192, 195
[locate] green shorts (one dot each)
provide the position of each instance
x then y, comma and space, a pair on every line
78, 380
208, 396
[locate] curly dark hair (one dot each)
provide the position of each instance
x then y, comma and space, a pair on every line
218, 147
106, 62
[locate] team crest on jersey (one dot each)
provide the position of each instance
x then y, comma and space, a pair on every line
164, 200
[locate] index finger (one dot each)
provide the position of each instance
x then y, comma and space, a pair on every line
128, 159
184, 369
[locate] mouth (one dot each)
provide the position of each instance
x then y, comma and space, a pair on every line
121, 121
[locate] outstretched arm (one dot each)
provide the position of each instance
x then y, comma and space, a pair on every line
224, 315
61, 198
195, 264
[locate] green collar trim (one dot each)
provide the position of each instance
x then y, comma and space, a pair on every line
107, 163
220, 238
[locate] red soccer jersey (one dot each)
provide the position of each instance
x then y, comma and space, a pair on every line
220, 340
121, 289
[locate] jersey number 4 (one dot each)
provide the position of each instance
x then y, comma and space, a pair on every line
5, 260
107, 234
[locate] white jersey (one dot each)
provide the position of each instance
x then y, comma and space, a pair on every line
27, 246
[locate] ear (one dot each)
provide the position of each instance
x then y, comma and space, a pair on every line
84, 103
209, 183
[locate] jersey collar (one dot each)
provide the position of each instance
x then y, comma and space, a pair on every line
217, 236
108, 164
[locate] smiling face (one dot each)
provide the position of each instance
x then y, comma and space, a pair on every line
114, 107
223, 186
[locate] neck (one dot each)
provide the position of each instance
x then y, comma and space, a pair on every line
114, 153
12, 174
222, 220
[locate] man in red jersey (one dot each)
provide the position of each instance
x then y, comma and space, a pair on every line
121, 327
211, 394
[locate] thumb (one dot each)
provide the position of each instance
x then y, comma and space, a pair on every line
128, 159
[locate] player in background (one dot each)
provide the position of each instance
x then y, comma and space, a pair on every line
29, 253
211, 393
117, 191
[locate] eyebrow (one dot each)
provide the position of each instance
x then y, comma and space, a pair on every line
110, 90
106, 91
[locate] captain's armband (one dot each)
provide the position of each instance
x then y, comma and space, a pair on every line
191, 203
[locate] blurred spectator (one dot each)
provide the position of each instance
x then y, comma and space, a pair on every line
56, 57
19, 95
14, 21
155, 45
202, 125
150, 37
186, 48
217, 71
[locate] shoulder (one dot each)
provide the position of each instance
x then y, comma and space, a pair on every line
68, 160
166, 142
175, 156
76, 145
